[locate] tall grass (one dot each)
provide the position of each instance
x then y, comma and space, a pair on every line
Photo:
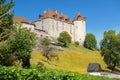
70, 59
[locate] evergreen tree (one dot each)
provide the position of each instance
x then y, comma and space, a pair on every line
5, 18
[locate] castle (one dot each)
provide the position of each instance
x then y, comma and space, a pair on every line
52, 23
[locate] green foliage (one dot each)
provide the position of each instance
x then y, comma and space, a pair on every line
110, 49
5, 17
4, 54
64, 39
5, 32
76, 43
47, 50
45, 41
90, 41
14, 73
21, 43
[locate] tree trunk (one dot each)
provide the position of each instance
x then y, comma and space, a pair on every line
113, 68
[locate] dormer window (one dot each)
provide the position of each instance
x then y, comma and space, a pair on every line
67, 19
54, 16
61, 18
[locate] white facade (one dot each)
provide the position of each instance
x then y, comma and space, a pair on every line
28, 26
54, 27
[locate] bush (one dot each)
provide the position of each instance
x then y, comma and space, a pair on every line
47, 50
21, 43
64, 39
13, 73
76, 43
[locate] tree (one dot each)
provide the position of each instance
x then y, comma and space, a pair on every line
110, 49
5, 26
21, 43
5, 18
4, 54
64, 38
47, 50
90, 41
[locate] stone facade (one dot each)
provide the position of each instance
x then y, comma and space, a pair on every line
52, 23
53, 26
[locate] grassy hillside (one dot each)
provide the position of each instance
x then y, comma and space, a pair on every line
72, 59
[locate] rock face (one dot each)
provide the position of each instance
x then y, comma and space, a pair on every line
94, 67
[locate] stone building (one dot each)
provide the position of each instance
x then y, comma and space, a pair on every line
24, 22
52, 23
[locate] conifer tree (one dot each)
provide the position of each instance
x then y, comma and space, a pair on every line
5, 18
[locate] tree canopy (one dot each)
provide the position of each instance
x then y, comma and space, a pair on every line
21, 43
110, 48
90, 41
5, 26
5, 18
64, 38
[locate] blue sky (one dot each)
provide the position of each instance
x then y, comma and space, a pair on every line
101, 15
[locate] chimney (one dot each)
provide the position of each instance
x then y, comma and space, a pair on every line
45, 11
56, 11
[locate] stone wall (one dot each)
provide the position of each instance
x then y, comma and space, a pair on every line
28, 26
54, 27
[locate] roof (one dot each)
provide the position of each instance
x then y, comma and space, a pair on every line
20, 19
79, 17
55, 15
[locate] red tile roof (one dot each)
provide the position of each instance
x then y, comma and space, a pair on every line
55, 15
20, 19
79, 17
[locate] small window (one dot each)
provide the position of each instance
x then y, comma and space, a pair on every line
47, 37
61, 17
41, 36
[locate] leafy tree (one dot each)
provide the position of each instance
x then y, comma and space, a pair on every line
21, 43
90, 41
4, 54
64, 38
5, 18
47, 50
110, 49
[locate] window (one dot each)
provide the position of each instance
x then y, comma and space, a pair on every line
41, 36
47, 37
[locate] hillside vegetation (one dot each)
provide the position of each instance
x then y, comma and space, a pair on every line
72, 59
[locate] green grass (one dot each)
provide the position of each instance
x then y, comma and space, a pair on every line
72, 59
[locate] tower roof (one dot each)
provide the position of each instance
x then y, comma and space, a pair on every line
20, 19
79, 17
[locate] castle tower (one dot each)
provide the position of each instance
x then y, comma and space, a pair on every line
79, 28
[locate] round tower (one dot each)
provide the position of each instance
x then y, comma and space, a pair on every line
79, 28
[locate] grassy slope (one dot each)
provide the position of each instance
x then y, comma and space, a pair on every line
73, 59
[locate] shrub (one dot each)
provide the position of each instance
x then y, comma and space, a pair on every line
21, 43
76, 43
13, 73
64, 39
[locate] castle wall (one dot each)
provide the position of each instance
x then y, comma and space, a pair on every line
80, 31
28, 26
54, 27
